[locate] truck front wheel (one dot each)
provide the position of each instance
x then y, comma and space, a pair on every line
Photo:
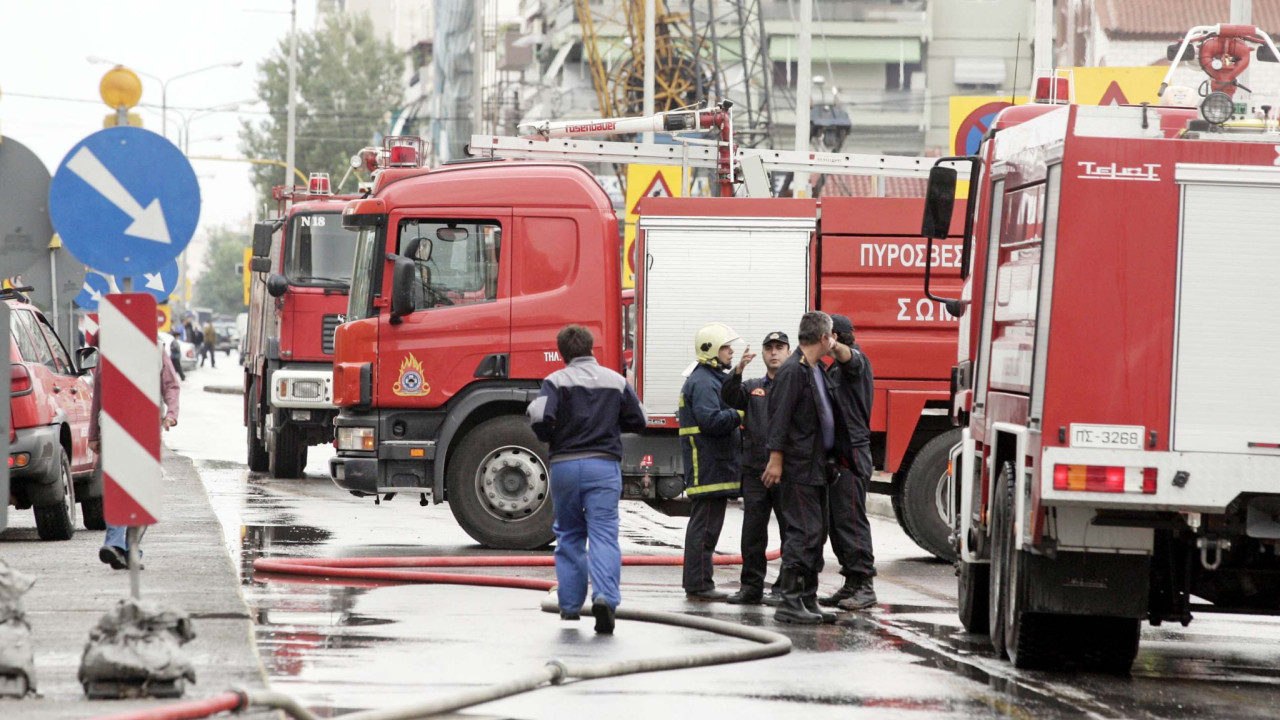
499, 485
259, 459
921, 501
288, 453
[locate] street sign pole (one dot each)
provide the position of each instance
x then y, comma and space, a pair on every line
132, 487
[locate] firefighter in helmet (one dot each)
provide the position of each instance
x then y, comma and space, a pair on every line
710, 443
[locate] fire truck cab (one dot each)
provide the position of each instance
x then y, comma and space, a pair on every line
301, 270
1120, 446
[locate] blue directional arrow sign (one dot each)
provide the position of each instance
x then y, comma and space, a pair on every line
125, 201
161, 283
95, 286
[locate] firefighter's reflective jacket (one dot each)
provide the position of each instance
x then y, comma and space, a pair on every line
709, 436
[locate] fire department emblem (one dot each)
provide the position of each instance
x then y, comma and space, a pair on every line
411, 383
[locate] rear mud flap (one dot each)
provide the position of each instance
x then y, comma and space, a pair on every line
1077, 583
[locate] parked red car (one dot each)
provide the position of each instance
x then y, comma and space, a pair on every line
50, 464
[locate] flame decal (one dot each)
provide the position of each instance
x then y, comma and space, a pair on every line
411, 382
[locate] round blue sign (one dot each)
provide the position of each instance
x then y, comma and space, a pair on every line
161, 283
95, 286
125, 201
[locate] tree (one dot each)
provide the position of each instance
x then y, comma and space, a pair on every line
349, 82
221, 287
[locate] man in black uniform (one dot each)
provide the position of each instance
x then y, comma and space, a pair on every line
802, 452
752, 397
850, 376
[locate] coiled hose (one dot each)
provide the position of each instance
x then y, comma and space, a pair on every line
766, 643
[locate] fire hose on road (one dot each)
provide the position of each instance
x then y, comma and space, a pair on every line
766, 643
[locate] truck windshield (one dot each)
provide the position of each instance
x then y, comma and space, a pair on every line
360, 302
319, 250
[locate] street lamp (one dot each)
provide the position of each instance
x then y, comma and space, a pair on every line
164, 83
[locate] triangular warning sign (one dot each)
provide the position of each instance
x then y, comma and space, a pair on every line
657, 188
1113, 95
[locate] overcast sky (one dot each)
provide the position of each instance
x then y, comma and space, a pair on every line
49, 91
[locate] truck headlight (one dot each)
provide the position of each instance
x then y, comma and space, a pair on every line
307, 389
355, 438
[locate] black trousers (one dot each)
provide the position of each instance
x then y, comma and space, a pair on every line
849, 527
804, 507
758, 502
706, 519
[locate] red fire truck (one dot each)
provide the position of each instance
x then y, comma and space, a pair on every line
301, 271
1121, 435
465, 273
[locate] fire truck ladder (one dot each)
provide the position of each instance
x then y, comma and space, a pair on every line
692, 154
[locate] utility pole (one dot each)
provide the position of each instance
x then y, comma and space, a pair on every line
293, 91
1042, 57
804, 80
650, 58
1242, 14
477, 71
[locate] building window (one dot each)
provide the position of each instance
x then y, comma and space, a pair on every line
897, 76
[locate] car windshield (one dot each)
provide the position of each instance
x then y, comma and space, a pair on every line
319, 250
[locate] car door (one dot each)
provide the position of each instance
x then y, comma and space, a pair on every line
73, 393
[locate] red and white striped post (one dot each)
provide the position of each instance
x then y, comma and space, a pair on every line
130, 419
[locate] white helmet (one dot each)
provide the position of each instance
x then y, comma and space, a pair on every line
710, 338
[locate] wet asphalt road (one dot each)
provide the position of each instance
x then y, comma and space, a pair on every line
341, 648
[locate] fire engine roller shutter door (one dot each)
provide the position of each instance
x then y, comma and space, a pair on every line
1227, 358
755, 280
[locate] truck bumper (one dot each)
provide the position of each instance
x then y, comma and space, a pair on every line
356, 474
1185, 482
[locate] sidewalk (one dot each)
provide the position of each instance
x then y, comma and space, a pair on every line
187, 566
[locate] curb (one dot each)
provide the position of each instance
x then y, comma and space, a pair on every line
224, 389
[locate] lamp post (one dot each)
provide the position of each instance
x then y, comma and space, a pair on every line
164, 83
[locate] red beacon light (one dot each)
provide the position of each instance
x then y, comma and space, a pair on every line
1054, 89
318, 184
403, 151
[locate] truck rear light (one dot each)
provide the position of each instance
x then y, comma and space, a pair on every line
19, 378
1101, 478
355, 438
19, 460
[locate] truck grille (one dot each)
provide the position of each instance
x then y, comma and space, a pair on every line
330, 324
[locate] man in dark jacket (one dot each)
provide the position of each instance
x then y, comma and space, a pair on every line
850, 530
581, 413
752, 397
710, 443
803, 434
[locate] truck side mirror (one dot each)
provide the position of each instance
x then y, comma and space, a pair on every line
87, 359
260, 264
262, 238
277, 285
939, 202
402, 279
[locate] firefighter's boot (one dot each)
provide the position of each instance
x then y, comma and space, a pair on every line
846, 591
863, 597
809, 597
792, 609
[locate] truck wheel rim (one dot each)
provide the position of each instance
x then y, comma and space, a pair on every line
940, 499
512, 483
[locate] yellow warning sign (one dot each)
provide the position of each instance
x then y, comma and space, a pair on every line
645, 181
1116, 85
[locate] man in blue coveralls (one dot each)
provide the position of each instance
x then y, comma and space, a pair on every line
581, 413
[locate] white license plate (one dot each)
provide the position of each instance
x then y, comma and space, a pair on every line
1111, 437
